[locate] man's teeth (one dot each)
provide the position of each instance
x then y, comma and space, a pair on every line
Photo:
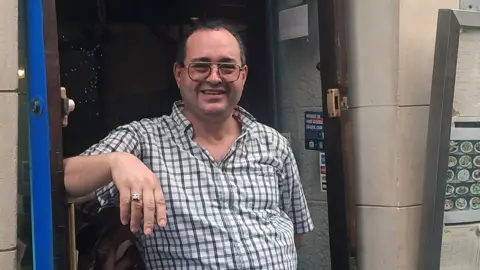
212, 92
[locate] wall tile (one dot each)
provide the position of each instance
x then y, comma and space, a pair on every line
8, 44
8, 170
388, 237
8, 259
411, 141
416, 48
372, 57
375, 150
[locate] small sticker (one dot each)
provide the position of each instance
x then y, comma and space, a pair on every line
323, 173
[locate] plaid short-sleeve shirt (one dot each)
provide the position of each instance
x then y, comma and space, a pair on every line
241, 213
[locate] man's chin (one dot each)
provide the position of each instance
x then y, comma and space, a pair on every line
215, 110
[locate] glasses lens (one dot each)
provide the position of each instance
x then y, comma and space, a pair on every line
227, 72
199, 71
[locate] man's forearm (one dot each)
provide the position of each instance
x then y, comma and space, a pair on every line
85, 174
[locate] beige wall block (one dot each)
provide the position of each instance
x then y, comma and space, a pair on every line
375, 150
389, 152
8, 170
411, 141
418, 26
8, 260
373, 49
8, 44
388, 237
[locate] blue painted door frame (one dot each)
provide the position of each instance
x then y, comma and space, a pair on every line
39, 140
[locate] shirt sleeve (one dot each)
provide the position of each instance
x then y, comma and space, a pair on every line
123, 139
293, 201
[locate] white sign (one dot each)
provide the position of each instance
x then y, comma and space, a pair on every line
460, 248
293, 22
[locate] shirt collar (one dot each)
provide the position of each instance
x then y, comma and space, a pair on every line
246, 119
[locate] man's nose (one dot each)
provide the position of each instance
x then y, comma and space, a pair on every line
214, 76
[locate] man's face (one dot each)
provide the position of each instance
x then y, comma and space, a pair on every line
212, 79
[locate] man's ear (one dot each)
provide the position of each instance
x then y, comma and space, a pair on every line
244, 74
177, 72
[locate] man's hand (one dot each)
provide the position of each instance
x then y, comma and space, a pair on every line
133, 178
299, 241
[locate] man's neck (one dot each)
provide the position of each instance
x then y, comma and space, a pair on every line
214, 131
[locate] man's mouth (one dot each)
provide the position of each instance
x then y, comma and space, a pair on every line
212, 92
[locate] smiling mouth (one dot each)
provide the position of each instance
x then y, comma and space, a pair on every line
213, 92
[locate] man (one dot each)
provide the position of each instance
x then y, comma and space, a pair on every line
230, 184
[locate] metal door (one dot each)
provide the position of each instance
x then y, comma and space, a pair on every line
338, 133
48, 106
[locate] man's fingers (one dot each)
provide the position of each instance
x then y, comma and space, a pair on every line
136, 210
148, 211
142, 199
125, 205
160, 207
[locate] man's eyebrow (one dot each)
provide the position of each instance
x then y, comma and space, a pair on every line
227, 60
206, 59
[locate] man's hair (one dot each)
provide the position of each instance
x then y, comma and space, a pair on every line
210, 25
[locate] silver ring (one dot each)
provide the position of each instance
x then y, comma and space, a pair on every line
136, 197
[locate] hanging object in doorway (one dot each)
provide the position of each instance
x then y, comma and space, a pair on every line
314, 135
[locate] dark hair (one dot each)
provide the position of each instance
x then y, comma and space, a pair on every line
210, 25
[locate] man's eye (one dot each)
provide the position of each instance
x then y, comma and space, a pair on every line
201, 67
227, 68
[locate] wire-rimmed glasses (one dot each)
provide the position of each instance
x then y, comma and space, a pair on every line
200, 71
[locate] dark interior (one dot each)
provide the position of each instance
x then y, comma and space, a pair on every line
116, 59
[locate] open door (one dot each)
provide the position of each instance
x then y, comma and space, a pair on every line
49, 108
338, 133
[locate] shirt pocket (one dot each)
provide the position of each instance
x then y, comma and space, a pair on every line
260, 187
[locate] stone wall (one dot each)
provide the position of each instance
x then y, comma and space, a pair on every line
8, 132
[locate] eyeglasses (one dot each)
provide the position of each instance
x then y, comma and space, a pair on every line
200, 71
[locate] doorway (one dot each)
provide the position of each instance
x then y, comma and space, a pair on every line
94, 45
116, 60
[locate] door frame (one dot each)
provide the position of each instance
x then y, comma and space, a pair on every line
338, 134
48, 196
39, 140
49, 201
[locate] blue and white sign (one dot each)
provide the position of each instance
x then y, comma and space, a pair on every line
314, 135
